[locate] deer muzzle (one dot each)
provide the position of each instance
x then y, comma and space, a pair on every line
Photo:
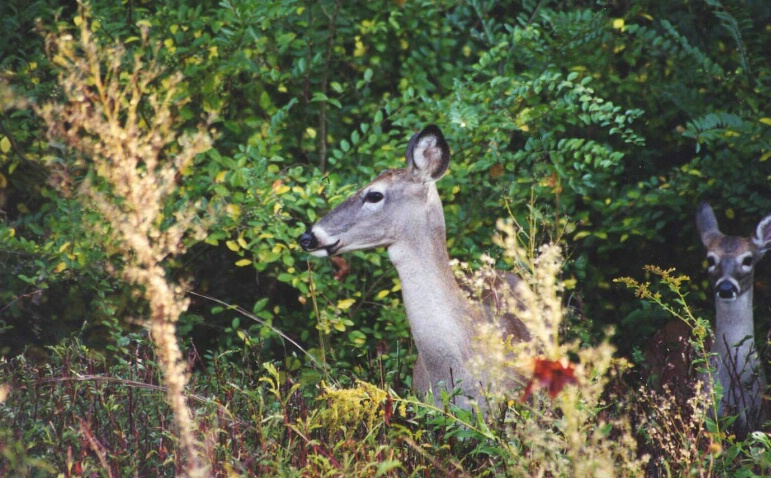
725, 289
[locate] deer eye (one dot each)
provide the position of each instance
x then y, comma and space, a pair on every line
747, 261
373, 197
710, 261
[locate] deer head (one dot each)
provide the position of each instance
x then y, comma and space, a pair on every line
731, 259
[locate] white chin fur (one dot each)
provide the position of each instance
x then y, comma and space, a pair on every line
319, 253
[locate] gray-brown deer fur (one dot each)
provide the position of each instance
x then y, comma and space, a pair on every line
731, 264
401, 210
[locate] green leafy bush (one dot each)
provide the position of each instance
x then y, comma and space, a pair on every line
603, 124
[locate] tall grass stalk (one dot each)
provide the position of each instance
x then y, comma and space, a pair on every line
686, 431
573, 426
116, 116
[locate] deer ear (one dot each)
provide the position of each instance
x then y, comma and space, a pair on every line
762, 237
427, 154
706, 223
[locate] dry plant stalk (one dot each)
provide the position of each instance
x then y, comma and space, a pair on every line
566, 435
676, 418
117, 116
679, 433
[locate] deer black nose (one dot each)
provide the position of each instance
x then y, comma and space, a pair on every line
308, 241
726, 290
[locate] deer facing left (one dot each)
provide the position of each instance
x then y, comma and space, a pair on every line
401, 211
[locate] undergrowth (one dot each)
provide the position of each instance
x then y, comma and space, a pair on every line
148, 409
85, 413
679, 423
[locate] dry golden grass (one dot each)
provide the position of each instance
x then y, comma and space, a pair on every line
116, 115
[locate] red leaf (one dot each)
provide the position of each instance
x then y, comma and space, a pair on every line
552, 375
342, 267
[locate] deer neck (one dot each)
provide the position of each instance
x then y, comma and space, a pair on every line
438, 312
739, 369
734, 323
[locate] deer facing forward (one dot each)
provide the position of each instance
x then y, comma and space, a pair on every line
731, 264
401, 210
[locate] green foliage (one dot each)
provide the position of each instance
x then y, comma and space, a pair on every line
606, 125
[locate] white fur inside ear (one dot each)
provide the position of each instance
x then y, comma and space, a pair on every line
762, 237
425, 154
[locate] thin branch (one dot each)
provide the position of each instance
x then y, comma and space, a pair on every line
246, 313
322, 135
